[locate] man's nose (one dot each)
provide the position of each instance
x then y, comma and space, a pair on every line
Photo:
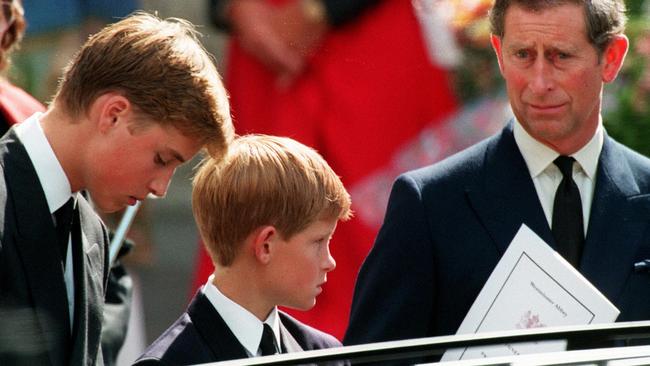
542, 76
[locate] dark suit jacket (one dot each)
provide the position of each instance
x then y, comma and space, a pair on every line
16, 106
34, 322
447, 226
200, 335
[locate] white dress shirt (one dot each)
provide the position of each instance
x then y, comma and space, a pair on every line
54, 182
246, 327
547, 177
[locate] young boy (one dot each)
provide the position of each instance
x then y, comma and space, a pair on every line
266, 214
141, 97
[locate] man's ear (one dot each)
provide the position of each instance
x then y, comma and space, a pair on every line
108, 110
614, 56
496, 46
263, 243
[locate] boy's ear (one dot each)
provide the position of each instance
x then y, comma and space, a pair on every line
263, 243
108, 110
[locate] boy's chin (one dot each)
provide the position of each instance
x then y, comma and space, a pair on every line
303, 306
108, 207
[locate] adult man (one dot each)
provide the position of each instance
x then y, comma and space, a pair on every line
448, 225
140, 98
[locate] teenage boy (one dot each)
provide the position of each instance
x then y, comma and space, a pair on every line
141, 97
266, 214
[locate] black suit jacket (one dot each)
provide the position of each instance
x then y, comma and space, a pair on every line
34, 321
447, 226
201, 335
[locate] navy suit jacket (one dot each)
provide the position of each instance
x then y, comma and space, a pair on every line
447, 226
201, 335
34, 320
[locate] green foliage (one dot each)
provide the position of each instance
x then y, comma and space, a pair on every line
626, 111
478, 75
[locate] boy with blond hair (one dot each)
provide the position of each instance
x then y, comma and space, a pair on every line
141, 97
266, 214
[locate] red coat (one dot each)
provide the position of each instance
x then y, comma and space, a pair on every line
15, 104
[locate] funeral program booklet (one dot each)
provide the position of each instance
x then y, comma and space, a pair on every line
532, 286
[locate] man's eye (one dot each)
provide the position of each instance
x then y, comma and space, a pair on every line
522, 54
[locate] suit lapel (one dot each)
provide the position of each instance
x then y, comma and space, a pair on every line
288, 342
36, 242
619, 217
220, 339
504, 197
618, 213
214, 330
89, 285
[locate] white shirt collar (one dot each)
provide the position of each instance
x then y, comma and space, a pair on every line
539, 156
53, 180
246, 327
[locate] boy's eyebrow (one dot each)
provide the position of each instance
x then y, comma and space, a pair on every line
176, 155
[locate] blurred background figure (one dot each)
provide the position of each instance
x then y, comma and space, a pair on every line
15, 104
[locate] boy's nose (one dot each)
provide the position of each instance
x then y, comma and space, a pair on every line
160, 184
330, 263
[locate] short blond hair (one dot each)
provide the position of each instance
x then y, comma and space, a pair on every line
263, 180
161, 68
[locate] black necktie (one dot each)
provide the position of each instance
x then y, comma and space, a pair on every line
268, 344
63, 225
568, 228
